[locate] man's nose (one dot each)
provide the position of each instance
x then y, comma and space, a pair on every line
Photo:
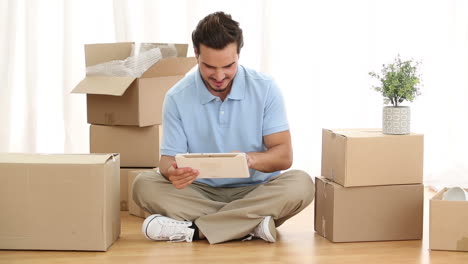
219, 75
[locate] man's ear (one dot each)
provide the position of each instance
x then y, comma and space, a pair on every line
196, 53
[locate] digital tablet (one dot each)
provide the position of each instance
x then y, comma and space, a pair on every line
215, 165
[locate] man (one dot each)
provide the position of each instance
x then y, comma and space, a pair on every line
222, 107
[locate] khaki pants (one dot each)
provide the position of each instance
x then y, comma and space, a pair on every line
224, 214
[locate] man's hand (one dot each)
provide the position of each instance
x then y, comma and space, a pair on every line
278, 155
179, 177
250, 159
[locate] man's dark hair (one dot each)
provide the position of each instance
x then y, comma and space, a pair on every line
217, 30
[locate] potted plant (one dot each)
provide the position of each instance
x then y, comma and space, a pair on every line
399, 81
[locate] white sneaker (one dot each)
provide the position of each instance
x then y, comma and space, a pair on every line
266, 230
158, 227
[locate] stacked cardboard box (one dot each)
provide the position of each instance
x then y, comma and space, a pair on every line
125, 113
126, 182
371, 189
59, 202
133, 208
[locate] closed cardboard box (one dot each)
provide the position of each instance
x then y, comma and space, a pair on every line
366, 157
59, 202
138, 146
448, 223
130, 101
124, 188
374, 213
133, 208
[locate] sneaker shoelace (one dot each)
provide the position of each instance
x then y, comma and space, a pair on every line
248, 238
175, 232
257, 232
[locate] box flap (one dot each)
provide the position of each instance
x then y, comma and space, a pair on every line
170, 67
363, 132
358, 132
439, 196
107, 85
181, 50
28, 158
99, 53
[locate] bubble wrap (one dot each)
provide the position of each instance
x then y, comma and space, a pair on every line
135, 65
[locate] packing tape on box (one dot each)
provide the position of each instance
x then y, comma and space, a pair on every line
123, 206
324, 192
109, 118
462, 244
323, 226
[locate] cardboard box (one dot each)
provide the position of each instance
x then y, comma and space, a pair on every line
59, 202
366, 157
448, 224
373, 213
124, 188
133, 208
128, 100
138, 146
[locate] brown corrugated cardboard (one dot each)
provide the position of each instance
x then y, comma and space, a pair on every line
448, 229
366, 157
371, 213
124, 191
138, 146
133, 208
124, 188
59, 202
127, 100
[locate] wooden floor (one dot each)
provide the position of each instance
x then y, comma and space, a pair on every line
297, 243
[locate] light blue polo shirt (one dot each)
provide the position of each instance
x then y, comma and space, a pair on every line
195, 121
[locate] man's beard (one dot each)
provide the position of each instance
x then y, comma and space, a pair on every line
207, 84
218, 90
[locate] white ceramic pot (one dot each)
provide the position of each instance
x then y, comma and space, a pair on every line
396, 120
455, 194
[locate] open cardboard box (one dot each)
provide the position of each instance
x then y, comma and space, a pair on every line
59, 202
370, 213
127, 100
448, 223
366, 157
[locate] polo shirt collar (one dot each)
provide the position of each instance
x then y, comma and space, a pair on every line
237, 91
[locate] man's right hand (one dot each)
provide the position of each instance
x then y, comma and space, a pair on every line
181, 177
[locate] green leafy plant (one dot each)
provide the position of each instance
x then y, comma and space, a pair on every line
399, 81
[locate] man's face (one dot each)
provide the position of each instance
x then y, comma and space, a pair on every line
218, 67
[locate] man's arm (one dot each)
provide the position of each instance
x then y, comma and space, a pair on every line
278, 156
179, 177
